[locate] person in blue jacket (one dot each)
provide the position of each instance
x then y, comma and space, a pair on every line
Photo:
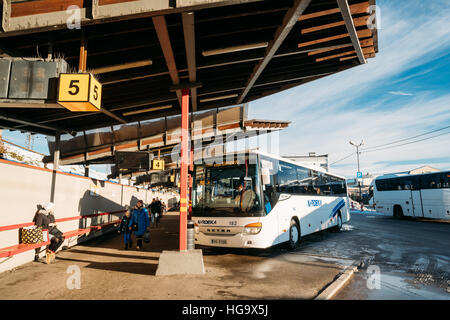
141, 218
124, 228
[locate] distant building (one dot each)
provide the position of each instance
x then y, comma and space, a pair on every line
366, 180
419, 170
423, 169
312, 160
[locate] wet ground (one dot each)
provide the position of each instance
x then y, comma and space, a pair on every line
412, 257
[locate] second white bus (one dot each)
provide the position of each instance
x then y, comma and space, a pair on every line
419, 195
257, 200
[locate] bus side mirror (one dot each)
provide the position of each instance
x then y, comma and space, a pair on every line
265, 176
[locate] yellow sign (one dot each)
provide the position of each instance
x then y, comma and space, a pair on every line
158, 164
79, 92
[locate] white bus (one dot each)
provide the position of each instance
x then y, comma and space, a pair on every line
419, 195
257, 200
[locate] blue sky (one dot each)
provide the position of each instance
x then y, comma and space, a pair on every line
403, 92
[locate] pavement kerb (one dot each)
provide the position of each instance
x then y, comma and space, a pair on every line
338, 283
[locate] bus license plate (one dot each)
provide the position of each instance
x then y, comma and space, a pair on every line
218, 241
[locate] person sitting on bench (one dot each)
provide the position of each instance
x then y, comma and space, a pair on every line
44, 218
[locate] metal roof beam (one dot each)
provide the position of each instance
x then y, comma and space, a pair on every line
281, 33
189, 42
112, 115
349, 24
26, 122
9, 126
166, 47
220, 63
27, 105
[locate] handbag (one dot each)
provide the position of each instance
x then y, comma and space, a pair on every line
31, 235
134, 227
147, 236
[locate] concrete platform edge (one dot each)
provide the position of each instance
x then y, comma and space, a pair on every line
338, 283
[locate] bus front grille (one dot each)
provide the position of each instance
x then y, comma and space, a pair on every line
223, 231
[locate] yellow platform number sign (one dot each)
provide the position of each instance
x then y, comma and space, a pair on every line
79, 92
157, 164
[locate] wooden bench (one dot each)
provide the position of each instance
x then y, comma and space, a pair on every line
20, 248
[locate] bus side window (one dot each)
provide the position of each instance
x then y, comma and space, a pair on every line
445, 177
302, 181
415, 183
270, 191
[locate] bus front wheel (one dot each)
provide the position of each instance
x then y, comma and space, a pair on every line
294, 235
338, 226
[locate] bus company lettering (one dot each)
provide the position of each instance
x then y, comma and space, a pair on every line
314, 203
207, 222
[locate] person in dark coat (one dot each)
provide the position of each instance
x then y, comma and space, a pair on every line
141, 218
158, 211
152, 212
45, 218
123, 228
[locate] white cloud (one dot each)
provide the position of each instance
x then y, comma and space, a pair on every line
400, 93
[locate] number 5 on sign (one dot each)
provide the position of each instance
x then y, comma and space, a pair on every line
79, 92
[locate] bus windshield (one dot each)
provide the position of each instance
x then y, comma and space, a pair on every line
226, 191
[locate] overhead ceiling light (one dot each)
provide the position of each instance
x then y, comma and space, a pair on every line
147, 110
123, 66
235, 48
219, 98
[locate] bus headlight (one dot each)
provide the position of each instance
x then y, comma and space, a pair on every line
253, 228
197, 230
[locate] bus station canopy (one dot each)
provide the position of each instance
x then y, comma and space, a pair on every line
236, 51
218, 126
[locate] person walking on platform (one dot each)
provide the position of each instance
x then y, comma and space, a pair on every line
123, 228
158, 211
45, 218
164, 208
140, 222
152, 209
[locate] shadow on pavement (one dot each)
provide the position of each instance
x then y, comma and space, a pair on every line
127, 267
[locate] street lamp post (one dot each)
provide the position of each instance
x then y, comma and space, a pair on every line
357, 157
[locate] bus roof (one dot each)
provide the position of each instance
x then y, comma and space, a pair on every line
403, 174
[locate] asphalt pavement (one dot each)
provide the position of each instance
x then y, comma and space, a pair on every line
398, 259
410, 258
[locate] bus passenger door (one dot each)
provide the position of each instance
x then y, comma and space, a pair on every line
416, 199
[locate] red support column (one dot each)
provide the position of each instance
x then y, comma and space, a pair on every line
184, 168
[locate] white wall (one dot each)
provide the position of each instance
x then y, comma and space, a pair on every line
23, 187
